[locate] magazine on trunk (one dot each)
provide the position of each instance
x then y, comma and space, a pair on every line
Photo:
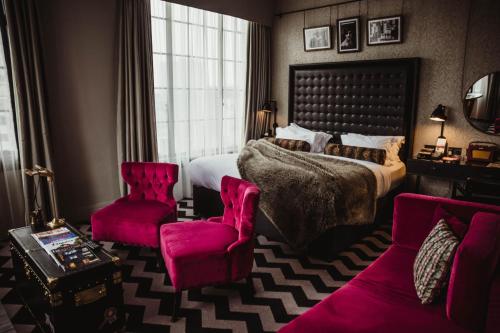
74, 256
66, 248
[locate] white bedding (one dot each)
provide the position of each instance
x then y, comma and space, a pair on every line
208, 172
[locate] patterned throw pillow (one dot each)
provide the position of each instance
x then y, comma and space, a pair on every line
291, 144
433, 262
359, 153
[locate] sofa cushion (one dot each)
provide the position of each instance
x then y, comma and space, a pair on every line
458, 227
381, 299
475, 263
433, 262
134, 222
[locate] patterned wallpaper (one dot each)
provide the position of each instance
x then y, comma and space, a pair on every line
434, 30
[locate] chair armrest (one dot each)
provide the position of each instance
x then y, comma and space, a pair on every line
217, 219
122, 199
240, 244
413, 216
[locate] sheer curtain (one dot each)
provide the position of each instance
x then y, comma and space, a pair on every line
199, 60
11, 187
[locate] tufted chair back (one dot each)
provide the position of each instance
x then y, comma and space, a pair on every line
240, 199
150, 181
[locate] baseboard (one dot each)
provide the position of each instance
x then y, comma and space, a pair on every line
83, 213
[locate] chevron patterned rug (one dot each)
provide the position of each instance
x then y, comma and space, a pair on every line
286, 285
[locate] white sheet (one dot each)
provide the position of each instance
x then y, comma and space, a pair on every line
208, 171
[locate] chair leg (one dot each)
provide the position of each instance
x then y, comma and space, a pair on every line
250, 285
177, 305
160, 264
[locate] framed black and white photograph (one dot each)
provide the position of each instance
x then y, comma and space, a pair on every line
385, 30
348, 35
317, 38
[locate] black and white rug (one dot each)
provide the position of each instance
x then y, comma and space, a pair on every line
286, 285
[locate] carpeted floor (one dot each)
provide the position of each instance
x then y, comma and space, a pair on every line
286, 285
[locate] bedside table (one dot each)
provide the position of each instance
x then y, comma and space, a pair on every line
456, 173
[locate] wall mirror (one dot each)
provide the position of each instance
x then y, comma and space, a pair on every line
482, 104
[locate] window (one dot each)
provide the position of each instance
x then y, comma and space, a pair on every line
8, 144
199, 79
199, 60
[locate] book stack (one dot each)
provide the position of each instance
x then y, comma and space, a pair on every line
66, 248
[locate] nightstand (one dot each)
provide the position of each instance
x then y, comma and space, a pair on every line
458, 174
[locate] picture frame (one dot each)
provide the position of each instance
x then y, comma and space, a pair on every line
384, 30
318, 38
348, 35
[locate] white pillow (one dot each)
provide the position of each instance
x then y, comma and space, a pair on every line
320, 138
391, 144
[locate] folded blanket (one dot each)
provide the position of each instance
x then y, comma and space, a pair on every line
305, 194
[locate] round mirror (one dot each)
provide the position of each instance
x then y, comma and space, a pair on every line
482, 104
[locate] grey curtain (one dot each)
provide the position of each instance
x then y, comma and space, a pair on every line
258, 85
136, 126
30, 99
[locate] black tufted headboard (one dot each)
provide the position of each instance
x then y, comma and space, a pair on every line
376, 97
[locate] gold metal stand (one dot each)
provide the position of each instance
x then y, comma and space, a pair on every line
44, 172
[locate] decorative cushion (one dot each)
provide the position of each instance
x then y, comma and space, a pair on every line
473, 269
433, 262
289, 144
359, 153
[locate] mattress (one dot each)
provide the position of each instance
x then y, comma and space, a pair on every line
208, 172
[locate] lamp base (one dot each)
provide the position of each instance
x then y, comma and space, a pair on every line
56, 223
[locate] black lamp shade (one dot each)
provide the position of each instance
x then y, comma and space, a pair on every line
439, 114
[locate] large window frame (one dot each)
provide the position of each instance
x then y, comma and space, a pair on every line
199, 89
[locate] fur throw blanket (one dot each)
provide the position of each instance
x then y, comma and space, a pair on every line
305, 194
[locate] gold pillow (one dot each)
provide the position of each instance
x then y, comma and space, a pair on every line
297, 145
359, 153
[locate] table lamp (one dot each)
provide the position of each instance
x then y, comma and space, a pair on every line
439, 114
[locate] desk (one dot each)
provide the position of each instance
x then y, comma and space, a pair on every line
456, 173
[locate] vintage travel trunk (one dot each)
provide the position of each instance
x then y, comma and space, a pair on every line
86, 300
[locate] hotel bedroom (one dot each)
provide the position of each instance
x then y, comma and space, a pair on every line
250, 166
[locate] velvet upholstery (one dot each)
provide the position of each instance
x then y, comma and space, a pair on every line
473, 270
382, 298
219, 250
136, 218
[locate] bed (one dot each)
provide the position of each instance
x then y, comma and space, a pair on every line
365, 97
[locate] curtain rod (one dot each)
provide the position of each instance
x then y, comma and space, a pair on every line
317, 7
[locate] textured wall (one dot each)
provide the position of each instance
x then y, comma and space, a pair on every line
79, 51
434, 30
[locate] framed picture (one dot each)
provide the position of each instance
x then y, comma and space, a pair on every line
348, 35
385, 30
317, 38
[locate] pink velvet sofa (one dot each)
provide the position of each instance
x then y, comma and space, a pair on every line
382, 298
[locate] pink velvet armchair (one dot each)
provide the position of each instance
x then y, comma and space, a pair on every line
135, 219
216, 251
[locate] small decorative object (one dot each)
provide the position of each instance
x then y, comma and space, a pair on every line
439, 114
44, 172
317, 38
348, 35
385, 30
481, 151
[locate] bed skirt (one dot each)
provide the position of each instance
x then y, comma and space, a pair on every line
207, 203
